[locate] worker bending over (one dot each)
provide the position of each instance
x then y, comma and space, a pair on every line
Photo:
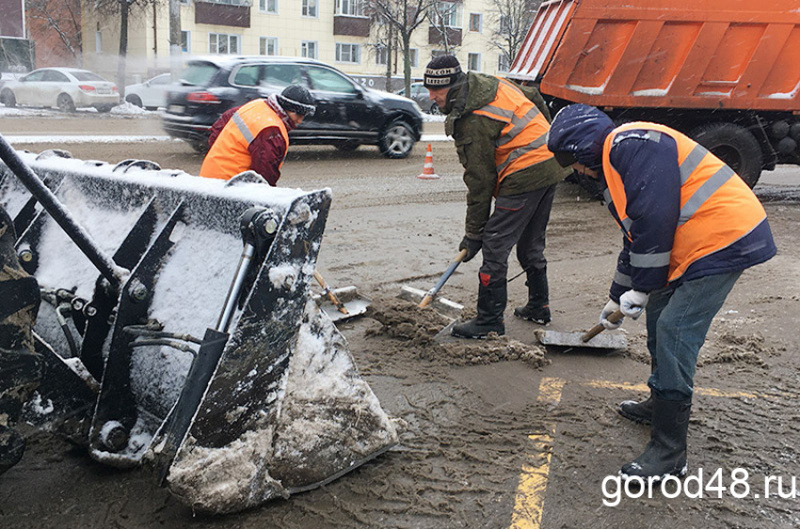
499, 130
691, 226
255, 136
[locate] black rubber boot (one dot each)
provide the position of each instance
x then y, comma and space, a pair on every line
639, 412
538, 308
12, 446
491, 304
665, 454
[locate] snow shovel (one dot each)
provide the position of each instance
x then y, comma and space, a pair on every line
429, 298
342, 303
589, 338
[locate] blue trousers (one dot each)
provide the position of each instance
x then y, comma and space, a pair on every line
677, 323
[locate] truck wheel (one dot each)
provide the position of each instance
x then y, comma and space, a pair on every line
734, 145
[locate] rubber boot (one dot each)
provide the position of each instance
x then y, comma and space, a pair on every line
491, 304
538, 308
12, 446
640, 412
665, 454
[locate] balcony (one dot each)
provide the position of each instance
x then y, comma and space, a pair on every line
436, 36
225, 13
352, 26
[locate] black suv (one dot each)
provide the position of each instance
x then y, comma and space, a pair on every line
347, 114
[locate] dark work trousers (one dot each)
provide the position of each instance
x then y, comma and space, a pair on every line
521, 220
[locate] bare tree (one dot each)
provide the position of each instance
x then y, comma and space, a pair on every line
440, 15
511, 20
404, 16
122, 9
62, 17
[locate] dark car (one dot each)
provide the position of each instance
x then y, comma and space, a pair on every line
421, 95
347, 114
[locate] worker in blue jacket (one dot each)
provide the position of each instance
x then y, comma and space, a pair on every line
690, 227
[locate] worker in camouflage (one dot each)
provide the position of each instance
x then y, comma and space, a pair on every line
20, 366
499, 130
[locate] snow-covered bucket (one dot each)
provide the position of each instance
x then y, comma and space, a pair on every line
279, 408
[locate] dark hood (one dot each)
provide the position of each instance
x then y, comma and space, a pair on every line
580, 130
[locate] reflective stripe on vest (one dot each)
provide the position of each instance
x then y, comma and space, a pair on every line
710, 191
229, 155
523, 141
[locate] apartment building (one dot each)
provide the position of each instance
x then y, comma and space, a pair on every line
338, 32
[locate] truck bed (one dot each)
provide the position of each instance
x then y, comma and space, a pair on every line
712, 54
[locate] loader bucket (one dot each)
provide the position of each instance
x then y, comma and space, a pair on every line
214, 363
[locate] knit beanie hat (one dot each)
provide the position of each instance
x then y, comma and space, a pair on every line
442, 72
298, 99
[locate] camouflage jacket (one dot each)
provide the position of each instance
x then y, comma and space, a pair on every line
475, 137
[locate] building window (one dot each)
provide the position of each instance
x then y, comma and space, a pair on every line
268, 6
381, 55
268, 46
308, 49
223, 44
506, 24
413, 57
438, 53
447, 14
348, 53
353, 8
474, 62
475, 22
245, 3
309, 8
503, 64
186, 39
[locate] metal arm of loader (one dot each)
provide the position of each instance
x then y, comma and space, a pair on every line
50, 203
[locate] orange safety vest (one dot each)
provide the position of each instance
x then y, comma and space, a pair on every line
523, 141
229, 155
717, 207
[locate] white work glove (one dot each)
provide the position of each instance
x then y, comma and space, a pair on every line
610, 308
632, 303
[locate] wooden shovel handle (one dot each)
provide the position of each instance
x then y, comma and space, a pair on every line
328, 292
597, 329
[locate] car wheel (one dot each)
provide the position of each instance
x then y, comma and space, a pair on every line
104, 108
134, 100
8, 99
434, 109
397, 140
347, 146
734, 145
65, 103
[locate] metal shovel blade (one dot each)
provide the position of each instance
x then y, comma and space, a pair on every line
605, 340
443, 306
354, 303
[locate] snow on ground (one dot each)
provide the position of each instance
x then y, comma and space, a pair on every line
125, 109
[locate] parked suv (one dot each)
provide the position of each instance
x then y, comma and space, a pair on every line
347, 114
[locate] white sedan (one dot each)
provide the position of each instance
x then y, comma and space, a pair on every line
65, 88
149, 94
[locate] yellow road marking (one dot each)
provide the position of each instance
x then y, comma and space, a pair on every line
529, 501
711, 392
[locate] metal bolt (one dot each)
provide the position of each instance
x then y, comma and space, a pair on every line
137, 291
26, 256
90, 311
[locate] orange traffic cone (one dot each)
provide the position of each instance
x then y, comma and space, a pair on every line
427, 169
